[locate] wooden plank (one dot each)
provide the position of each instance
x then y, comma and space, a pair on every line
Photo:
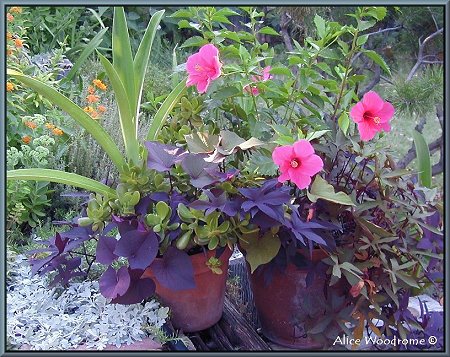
239, 332
220, 338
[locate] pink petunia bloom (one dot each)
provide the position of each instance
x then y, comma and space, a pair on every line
203, 67
253, 89
372, 114
297, 163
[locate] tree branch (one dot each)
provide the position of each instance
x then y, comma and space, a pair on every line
420, 56
385, 30
373, 82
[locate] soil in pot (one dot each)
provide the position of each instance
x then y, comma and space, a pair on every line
199, 308
284, 301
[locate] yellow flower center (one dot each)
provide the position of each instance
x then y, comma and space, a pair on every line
198, 68
377, 120
295, 163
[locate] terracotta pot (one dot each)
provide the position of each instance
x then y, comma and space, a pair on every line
285, 303
197, 309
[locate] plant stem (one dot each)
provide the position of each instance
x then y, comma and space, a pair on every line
347, 70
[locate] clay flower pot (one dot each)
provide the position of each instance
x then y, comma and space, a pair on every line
197, 309
284, 303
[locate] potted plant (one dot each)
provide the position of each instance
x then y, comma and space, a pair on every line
146, 209
336, 238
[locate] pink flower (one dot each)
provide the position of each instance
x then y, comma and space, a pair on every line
203, 67
253, 89
372, 114
297, 163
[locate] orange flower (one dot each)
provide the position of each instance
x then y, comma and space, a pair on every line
9, 87
16, 10
92, 98
26, 139
18, 42
49, 126
30, 125
101, 108
8, 36
99, 84
88, 109
57, 131
91, 90
9, 52
9, 17
94, 114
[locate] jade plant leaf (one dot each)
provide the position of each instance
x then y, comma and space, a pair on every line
322, 189
260, 250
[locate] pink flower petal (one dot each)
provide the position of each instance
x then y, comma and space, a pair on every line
203, 85
303, 148
366, 131
208, 51
372, 102
283, 154
386, 126
357, 112
302, 181
284, 177
311, 165
266, 73
386, 113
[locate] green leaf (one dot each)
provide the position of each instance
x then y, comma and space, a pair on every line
90, 47
344, 122
77, 113
260, 250
226, 92
122, 56
281, 70
423, 159
142, 57
364, 25
164, 110
378, 12
198, 142
127, 123
322, 189
66, 178
407, 279
320, 25
362, 40
182, 13
194, 41
378, 60
396, 173
316, 134
266, 30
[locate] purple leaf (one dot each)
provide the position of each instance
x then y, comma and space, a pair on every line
105, 250
140, 289
142, 207
217, 200
195, 166
114, 283
174, 270
139, 247
162, 157
125, 224
60, 243
268, 199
